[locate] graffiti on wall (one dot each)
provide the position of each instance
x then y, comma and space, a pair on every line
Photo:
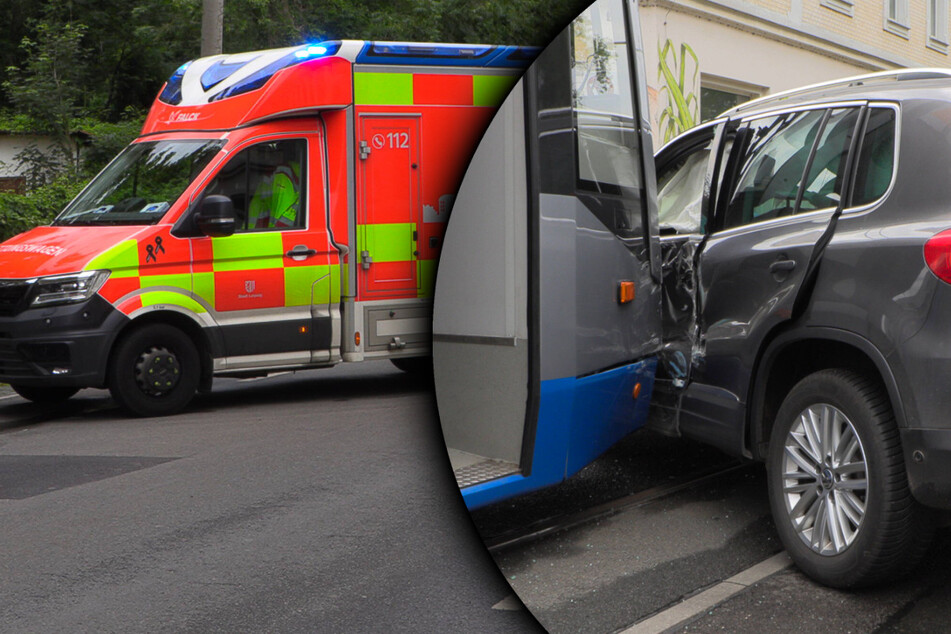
681, 111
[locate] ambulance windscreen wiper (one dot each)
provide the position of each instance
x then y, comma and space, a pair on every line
95, 217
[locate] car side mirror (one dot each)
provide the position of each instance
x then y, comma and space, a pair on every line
215, 217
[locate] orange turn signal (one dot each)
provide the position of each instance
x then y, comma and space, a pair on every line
637, 390
356, 339
625, 292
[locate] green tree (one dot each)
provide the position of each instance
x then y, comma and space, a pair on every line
17, 17
48, 89
86, 71
524, 22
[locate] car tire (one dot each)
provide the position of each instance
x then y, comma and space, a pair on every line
154, 371
837, 485
44, 394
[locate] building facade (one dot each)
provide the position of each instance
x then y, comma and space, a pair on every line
704, 56
13, 173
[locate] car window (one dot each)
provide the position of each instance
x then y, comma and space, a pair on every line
771, 167
680, 193
876, 161
823, 185
266, 186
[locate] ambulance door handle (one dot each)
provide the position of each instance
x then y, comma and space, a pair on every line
301, 252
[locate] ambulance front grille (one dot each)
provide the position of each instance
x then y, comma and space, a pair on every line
12, 294
12, 362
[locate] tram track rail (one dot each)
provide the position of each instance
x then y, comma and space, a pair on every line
550, 525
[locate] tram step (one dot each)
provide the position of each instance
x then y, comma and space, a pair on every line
483, 471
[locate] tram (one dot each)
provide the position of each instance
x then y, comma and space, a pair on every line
547, 314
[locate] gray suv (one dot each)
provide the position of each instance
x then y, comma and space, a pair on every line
807, 310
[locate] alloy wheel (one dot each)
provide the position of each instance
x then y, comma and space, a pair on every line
825, 479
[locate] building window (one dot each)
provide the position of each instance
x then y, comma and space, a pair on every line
713, 101
896, 17
718, 94
938, 25
842, 6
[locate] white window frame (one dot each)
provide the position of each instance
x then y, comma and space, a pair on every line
845, 7
938, 25
898, 23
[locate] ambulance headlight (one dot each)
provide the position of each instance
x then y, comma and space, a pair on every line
67, 289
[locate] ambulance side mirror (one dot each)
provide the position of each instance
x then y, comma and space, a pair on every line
215, 217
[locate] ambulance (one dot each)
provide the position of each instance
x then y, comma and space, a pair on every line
281, 210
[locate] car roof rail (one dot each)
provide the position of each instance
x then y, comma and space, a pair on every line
900, 74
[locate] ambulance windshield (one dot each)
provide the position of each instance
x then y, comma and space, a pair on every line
141, 184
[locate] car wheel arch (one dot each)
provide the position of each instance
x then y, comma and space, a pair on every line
205, 339
767, 389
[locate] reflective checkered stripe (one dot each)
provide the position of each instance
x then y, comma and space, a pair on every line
422, 89
245, 271
130, 291
394, 243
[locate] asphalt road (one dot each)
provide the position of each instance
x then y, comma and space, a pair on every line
321, 501
688, 560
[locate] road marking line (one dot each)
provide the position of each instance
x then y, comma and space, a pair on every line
510, 603
692, 607
3, 398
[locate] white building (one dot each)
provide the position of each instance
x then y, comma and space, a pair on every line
728, 51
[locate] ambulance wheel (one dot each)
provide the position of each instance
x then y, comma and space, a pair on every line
417, 366
837, 483
44, 394
155, 370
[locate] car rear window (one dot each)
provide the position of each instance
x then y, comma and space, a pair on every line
877, 158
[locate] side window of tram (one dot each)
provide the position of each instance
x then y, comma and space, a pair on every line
266, 185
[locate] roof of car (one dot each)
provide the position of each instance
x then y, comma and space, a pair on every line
887, 85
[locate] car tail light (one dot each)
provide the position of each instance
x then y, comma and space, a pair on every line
938, 255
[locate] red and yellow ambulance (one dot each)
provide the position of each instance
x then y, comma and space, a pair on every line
282, 210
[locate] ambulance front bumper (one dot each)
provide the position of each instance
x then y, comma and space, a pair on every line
61, 346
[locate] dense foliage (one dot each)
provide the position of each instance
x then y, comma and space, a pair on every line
86, 71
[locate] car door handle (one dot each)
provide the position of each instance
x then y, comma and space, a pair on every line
782, 266
301, 251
